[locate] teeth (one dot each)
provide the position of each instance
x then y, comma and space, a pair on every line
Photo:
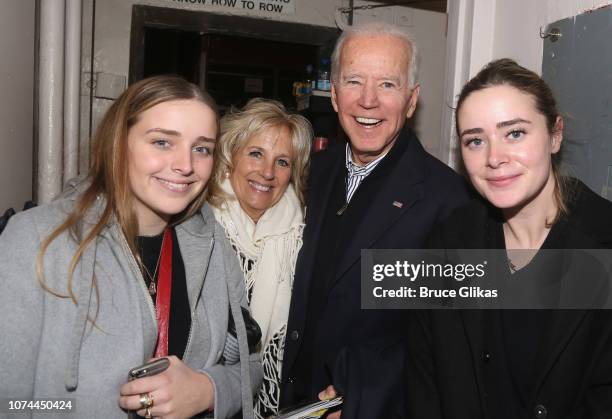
259, 187
363, 120
174, 186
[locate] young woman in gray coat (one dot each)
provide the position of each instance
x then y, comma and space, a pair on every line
129, 265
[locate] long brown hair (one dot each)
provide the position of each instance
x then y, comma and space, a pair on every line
108, 175
507, 72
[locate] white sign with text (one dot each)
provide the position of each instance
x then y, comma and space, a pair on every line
268, 6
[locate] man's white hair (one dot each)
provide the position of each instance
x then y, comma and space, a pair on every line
373, 29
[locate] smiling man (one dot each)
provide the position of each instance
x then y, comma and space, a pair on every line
374, 93
380, 190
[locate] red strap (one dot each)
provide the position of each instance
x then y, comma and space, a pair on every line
164, 290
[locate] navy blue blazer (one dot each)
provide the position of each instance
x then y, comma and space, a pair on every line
354, 339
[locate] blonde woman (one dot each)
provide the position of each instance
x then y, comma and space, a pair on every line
257, 193
127, 266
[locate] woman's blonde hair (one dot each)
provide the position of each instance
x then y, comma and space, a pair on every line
108, 175
259, 115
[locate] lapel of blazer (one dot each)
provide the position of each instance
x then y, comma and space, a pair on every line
196, 242
317, 205
320, 187
320, 190
563, 328
473, 322
401, 190
565, 322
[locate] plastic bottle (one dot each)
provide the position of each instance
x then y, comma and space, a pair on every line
323, 81
310, 77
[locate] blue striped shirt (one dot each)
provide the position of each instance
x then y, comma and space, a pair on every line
356, 174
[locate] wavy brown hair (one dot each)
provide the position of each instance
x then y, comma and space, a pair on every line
108, 175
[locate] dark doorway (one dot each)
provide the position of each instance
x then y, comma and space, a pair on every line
182, 41
234, 58
171, 51
233, 69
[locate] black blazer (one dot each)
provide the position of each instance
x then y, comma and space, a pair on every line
428, 191
573, 367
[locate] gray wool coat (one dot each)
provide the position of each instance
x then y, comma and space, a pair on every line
49, 348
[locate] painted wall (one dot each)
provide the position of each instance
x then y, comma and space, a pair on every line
17, 24
483, 30
112, 43
428, 29
516, 31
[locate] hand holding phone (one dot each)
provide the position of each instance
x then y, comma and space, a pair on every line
148, 369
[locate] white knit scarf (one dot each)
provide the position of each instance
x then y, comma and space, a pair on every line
272, 246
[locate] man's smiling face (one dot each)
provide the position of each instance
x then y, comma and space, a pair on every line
372, 95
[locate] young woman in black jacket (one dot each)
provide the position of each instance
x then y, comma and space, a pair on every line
515, 363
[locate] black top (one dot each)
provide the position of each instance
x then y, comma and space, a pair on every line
513, 338
180, 316
515, 363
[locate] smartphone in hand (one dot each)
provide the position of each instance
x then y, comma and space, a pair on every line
148, 369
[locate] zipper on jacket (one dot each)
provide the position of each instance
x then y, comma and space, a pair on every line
187, 346
132, 259
193, 312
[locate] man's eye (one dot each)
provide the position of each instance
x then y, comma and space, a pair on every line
388, 85
352, 82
